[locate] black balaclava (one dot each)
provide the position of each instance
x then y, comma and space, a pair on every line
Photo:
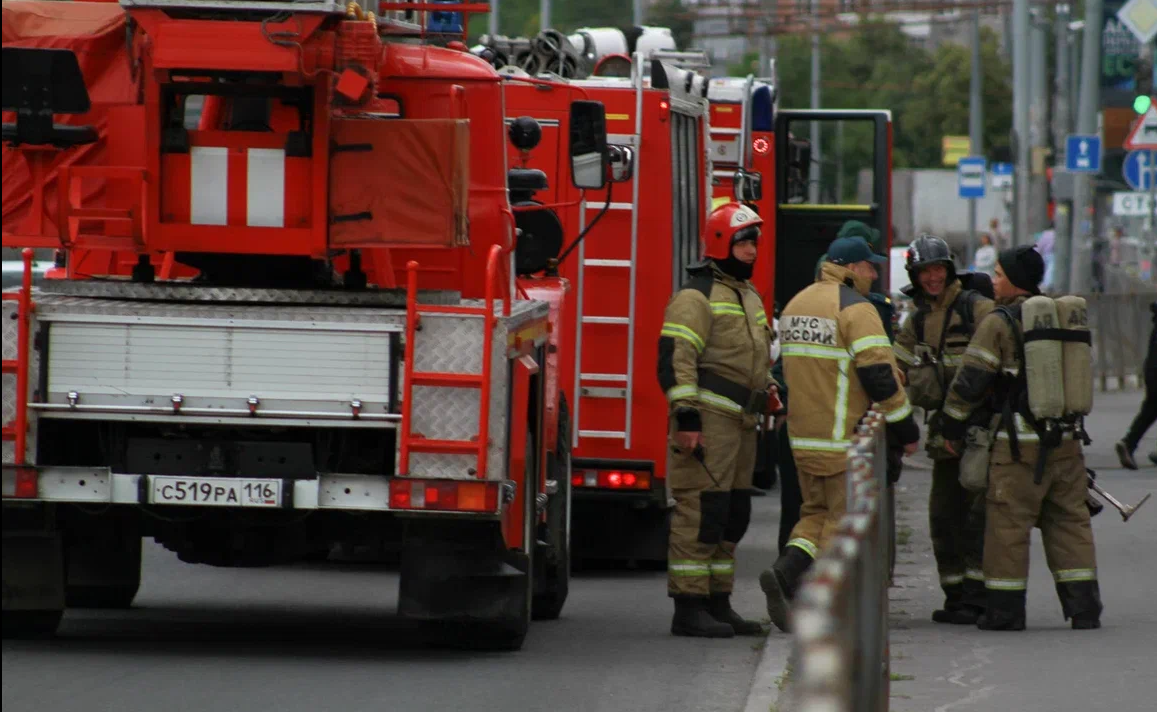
738, 268
1024, 267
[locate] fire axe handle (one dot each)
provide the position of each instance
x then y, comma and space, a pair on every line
1125, 510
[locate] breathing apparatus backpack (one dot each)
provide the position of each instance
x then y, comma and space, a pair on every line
1053, 390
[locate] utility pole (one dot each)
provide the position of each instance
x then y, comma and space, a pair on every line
543, 14
637, 12
975, 122
1084, 225
814, 174
1038, 130
1020, 120
1061, 128
492, 21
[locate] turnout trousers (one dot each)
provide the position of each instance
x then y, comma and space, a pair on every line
825, 500
956, 522
1057, 506
712, 506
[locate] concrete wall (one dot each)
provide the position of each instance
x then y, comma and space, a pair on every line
926, 200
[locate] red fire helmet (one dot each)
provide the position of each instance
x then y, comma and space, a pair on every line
728, 224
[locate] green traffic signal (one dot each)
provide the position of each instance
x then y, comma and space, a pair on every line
1142, 103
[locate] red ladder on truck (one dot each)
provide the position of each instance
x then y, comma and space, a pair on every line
415, 442
17, 430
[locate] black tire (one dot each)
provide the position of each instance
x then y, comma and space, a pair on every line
24, 625
548, 603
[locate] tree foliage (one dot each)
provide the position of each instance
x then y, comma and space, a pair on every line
878, 67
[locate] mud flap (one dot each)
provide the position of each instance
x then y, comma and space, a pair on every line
103, 567
459, 573
33, 583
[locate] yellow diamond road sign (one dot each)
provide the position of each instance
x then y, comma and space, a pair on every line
1140, 16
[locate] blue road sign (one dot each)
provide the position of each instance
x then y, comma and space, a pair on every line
1001, 176
1138, 170
1083, 154
970, 175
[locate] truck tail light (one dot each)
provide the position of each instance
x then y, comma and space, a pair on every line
612, 479
443, 495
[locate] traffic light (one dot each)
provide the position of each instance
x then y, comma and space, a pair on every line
1144, 98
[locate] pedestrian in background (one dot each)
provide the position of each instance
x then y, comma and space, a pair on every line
1148, 413
985, 258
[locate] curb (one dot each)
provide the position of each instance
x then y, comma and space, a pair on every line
767, 688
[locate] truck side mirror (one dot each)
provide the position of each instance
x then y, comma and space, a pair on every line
747, 186
589, 157
622, 163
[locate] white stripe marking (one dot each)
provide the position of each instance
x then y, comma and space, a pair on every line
265, 200
208, 185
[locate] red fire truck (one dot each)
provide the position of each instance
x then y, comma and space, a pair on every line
686, 143
354, 357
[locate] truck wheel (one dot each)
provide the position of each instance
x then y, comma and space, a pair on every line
33, 583
549, 602
104, 572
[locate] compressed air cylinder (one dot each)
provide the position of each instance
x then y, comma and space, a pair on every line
1044, 359
1073, 314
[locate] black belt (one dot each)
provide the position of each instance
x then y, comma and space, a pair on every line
750, 400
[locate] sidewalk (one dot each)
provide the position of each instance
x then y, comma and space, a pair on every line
1049, 667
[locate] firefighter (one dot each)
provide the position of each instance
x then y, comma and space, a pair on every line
928, 351
714, 369
1027, 487
838, 361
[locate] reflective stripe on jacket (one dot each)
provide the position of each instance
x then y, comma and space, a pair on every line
837, 361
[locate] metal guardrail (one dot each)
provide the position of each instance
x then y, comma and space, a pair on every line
840, 616
1121, 325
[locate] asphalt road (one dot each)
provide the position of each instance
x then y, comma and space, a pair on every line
1048, 667
324, 637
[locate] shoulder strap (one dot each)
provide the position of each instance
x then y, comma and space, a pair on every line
1008, 409
967, 307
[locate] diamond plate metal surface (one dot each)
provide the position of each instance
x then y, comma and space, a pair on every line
185, 292
8, 386
454, 344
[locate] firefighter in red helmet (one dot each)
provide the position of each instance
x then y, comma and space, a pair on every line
714, 367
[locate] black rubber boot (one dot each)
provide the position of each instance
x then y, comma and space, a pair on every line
1081, 602
1004, 611
692, 619
972, 602
779, 584
719, 606
953, 594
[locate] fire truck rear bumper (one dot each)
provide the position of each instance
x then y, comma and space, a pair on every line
99, 485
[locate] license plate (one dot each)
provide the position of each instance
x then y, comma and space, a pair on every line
215, 491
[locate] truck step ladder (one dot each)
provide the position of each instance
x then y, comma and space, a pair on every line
17, 430
582, 389
411, 442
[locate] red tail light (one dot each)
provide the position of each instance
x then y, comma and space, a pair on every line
443, 495
612, 479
